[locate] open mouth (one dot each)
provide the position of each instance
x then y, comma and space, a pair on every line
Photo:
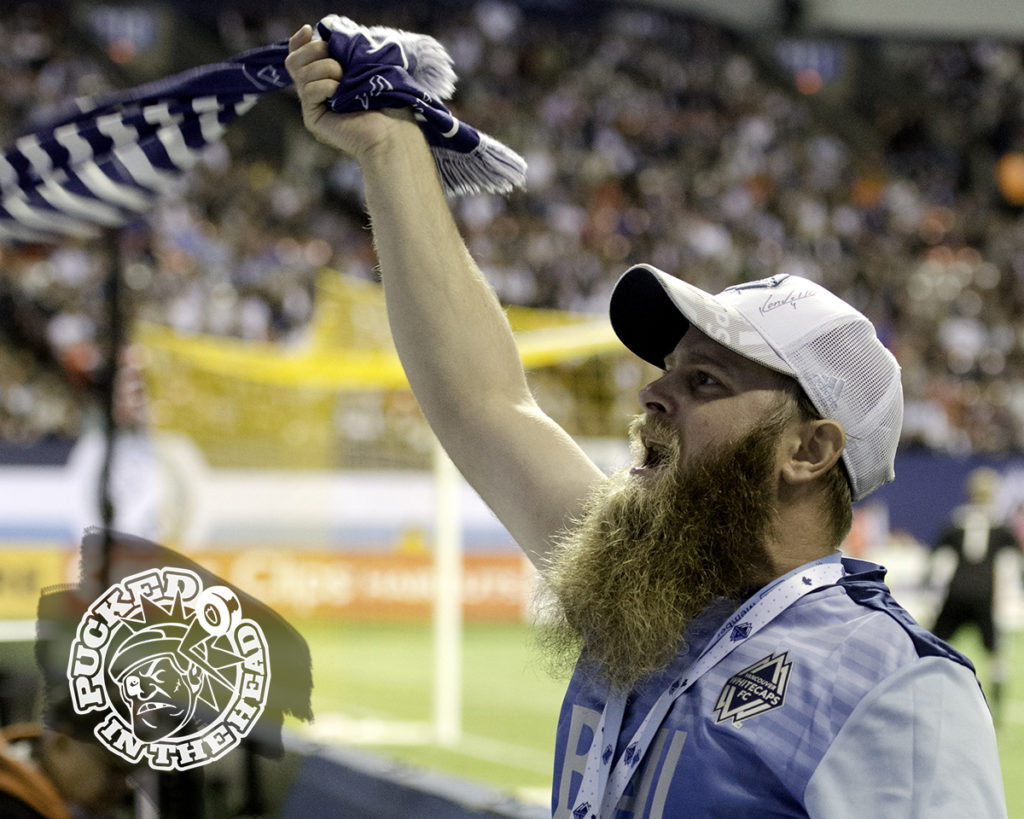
653, 456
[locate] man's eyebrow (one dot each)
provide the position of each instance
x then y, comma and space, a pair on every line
698, 357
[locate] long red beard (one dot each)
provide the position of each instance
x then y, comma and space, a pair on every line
652, 552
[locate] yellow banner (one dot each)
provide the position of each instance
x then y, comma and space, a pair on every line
24, 573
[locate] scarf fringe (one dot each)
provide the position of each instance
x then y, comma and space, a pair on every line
491, 167
484, 165
430, 65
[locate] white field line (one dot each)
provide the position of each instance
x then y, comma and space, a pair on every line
346, 730
534, 796
506, 753
17, 631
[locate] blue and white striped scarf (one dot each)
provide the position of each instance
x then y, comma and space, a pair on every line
101, 162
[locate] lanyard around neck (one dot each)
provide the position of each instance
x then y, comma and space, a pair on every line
603, 784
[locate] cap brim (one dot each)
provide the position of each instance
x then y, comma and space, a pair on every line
644, 317
650, 311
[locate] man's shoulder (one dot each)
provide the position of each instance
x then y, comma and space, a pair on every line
854, 635
864, 585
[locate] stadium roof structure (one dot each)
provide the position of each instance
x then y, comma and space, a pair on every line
917, 18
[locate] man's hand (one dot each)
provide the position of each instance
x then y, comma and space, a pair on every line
317, 75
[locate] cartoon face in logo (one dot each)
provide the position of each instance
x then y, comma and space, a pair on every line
184, 675
157, 682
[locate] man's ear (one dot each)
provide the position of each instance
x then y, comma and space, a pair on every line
820, 445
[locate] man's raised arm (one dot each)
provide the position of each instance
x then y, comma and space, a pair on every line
450, 331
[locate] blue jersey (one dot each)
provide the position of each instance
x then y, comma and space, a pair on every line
842, 706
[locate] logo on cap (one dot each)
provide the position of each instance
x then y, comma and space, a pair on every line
789, 300
181, 674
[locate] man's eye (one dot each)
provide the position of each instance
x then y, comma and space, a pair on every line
699, 378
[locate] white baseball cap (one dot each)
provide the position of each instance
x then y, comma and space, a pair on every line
791, 325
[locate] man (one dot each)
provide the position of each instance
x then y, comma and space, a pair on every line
730, 665
977, 562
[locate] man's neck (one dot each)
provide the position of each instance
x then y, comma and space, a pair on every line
799, 538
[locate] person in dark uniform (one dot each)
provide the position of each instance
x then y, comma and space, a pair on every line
978, 554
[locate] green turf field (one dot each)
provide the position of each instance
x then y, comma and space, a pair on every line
377, 672
385, 672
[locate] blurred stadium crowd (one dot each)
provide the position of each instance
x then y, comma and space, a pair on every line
893, 171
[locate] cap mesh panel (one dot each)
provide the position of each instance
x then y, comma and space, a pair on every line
850, 377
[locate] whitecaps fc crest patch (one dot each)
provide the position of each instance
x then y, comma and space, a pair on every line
755, 690
181, 674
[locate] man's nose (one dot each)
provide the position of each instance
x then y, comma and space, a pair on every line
654, 398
